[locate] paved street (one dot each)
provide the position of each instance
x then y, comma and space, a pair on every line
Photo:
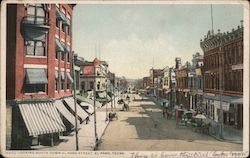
144, 128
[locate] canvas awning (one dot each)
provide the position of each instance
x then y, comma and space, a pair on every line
65, 112
102, 96
66, 22
41, 118
59, 47
36, 76
80, 112
69, 78
90, 109
60, 15
62, 75
224, 98
87, 100
68, 49
56, 74
64, 47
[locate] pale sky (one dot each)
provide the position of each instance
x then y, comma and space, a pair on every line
131, 36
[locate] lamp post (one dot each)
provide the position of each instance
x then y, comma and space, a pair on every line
74, 88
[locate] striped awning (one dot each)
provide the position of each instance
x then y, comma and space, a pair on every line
69, 78
41, 118
90, 109
59, 47
65, 112
60, 15
80, 112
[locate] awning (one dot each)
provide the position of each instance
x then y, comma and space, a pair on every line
60, 15
224, 98
102, 96
64, 47
59, 47
41, 118
66, 22
65, 112
34, 34
90, 109
56, 74
69, 78
68, 49
62, 75
87, 100
36, 76
80, 112
168, 91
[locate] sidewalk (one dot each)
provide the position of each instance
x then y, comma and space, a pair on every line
230, 134
86, 135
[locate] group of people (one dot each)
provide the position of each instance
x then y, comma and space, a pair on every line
165, 110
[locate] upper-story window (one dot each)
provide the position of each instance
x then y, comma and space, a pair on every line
35, 48
36, 13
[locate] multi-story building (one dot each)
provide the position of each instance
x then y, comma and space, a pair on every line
172, 99
155, 80
39, 68
223, 76
182, 87
95, 75
165, 93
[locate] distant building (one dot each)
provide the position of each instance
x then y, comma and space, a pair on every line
95, 74
154, 80
223, 70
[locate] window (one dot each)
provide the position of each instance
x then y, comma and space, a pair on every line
57, 54
68, 58
36, 14
35, 48
62, 80
68, 30
64, 28
63, 56
34, 88
57, 23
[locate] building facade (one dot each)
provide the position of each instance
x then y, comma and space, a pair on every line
39, 73
223, 76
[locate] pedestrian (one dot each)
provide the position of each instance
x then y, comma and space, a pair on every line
164, 108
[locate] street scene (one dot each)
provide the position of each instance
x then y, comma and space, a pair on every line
140, 77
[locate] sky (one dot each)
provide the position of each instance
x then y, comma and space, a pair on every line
133, 38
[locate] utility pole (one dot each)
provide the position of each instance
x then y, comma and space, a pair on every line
94, 91
220, 85
74, 86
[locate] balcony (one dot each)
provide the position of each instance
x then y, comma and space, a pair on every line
34, 28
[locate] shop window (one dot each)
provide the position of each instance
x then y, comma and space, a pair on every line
35, 48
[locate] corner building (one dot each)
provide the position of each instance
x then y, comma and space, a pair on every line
223, 76
39, 74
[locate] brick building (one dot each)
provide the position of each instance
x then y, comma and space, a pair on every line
223, 73
182, 89
155, 80
39, 74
